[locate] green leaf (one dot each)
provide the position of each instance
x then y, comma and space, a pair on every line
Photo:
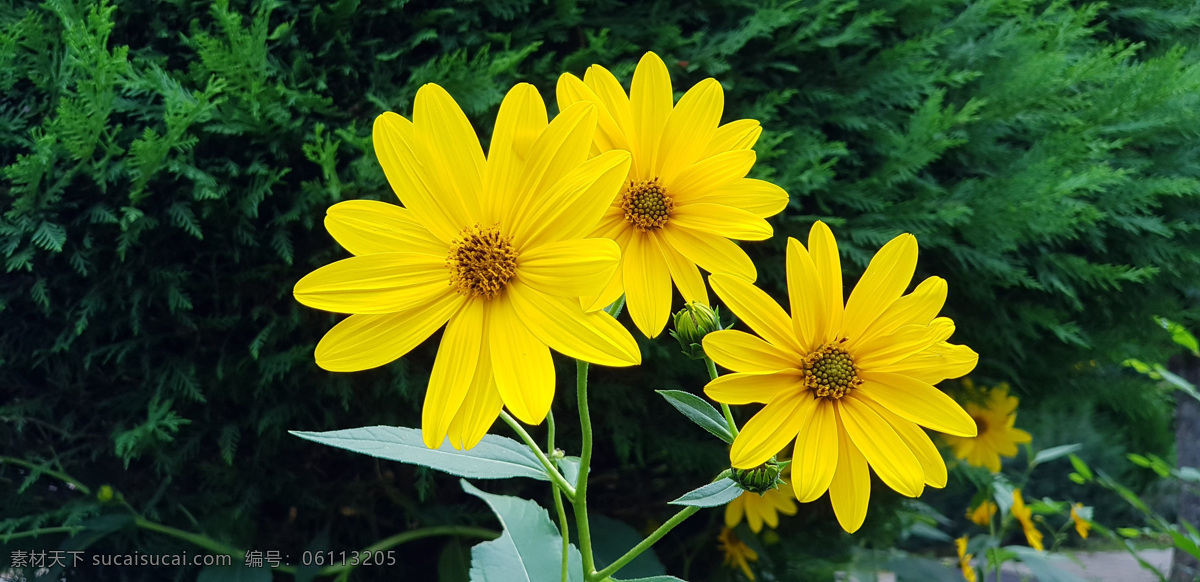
495, 457
699, 412
716, 493
1180, 335
528, 550
612, 538
238, 573
570, 469
1055, 452
910, 568
1044, 567
1080, 467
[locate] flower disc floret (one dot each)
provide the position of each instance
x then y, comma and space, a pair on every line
646, 204
481, 261
830, 372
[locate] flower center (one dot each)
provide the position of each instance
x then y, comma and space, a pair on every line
481, 261
981, 423
830, 372
646, 204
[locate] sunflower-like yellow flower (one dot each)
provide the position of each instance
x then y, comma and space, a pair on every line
848, 382
737, 553
686, 193
995, 417
964, 559
1082, 525
1025, 515
491, 247
982, 514
759, 509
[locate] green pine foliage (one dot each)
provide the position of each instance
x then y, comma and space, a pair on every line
166, 167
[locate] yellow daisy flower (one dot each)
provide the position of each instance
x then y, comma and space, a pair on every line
490, 247
761, 508
1082, 525
850, 383
686, 193
1025, 515
982, 514
737, 553
997, 438
964, 559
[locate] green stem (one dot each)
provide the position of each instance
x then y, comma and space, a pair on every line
33, 533
563, 526
645, 544
47, 471
200, 540
712, 375
585, 463
555, 476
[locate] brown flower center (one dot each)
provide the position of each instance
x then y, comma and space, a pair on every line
646, 204
481, 261
830, 372
982, 423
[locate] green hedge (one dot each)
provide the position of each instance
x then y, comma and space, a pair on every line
167, 166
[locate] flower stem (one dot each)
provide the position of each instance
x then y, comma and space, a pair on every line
645, 544
563, 526
555, 476
47, 471
712, 375
585, 463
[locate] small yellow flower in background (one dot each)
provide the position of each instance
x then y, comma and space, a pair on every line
1082, 525
737, 553
997, 438
982, 514
849, 383
964, 559
761, 508
489, 247
1025, 515
686, 193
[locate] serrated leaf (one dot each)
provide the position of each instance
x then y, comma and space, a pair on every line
495, 457
1055, 452
699, 412
714, 494
529, 548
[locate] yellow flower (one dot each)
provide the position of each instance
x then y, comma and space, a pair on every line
1025, 515
761, 508
686, 193
489, 247
964, 559
997, 437
737, 553
848, 382
982, 514
1082, 525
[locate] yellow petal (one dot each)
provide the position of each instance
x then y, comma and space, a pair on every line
650, 102
683, 272
569, 268
561, 148
776, 425
576, 203
918, 442
711, 252
364, 227
721, 220
561, 323
761, 198
822, 247
742, 352
710, 174
735, 135
850, 490
608, 89
609, 135
734, 510
910, 339
755, 520
884, 450
757, 310
806, 296
936, 363
918, 402
744, 388
815, 457
453, 371
394, 139
918, 307
887, 276
613, 290
362, 342
690, 128
522, 118
374, 284
647, 285
521, 362
447, 146
481, 406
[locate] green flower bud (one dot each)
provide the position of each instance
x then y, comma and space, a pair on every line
692, 323
105, 494
762, 478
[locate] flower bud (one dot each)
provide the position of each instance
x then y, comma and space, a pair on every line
692, 323
762, 478
105, 494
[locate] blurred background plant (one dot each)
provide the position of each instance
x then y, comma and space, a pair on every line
167, 165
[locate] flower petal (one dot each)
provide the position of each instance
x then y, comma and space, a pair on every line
650, 103
447, 146
758, 197
683, 272
374, 284
690, 128
569, 268
362, 342
709, 174
521, 363
918, 442
453, 371
742, 388
936, 363
771, 429
721, 220
521, 120
741, 134
712, 253
647, 285
815, 457
365, 227
757, 310
884, 450
823, 249
561, 148
735, 509
885, 279
911, 339
918, 307
394, 139
576, 203
850, 490
742, 352
480, 407
918, 402
806, 296
561, 323
609, 135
